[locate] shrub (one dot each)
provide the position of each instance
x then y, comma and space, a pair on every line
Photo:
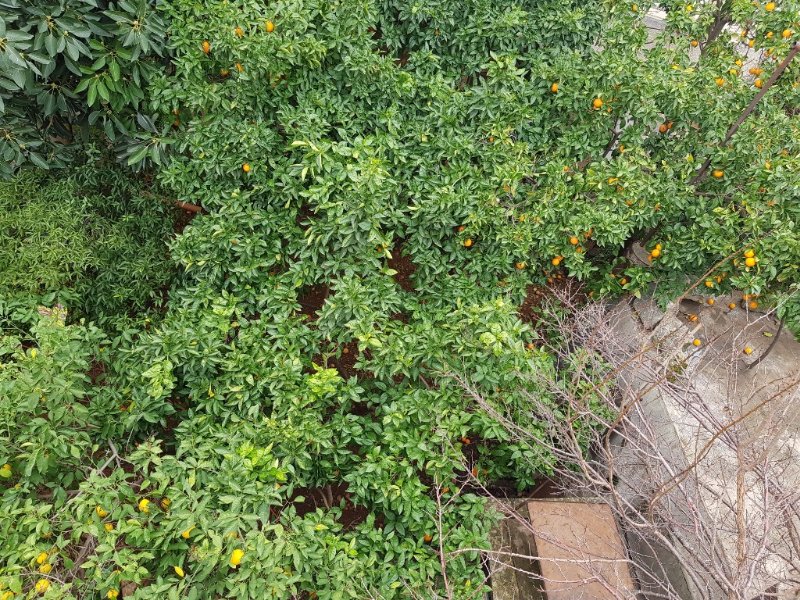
93, 239
71, 70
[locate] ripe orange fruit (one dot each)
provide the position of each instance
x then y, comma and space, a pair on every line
573, 240
710, 302
466, 441
238, 32
718, 173
720, 81
769, 6
623, 281
750, 261
461, 228
269, 26
427, 538
468, 243
236, 558
769, 35
579, 249
520, 266
634, 8
755, 71
694, 43
597, 103
751, 43
474, 471
556, 261
749, 253
655, 252
42, 586
786, 34
246, 167
732, 305
709, 283
692, 318
758, 83
747, 350
239, 67
663, 128
554, 88
206, 46
752, 305
696, 342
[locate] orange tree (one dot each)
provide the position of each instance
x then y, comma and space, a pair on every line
382, 184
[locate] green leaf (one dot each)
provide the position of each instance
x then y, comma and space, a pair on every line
138, 156
14, 56
91, 96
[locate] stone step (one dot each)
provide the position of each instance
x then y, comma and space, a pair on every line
578, 551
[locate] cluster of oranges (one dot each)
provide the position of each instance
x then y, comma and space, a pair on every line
205, 45
750, 300
655, 252
269, 27
750, 258
665, 127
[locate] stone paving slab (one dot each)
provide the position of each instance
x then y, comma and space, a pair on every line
510, 575
581, 553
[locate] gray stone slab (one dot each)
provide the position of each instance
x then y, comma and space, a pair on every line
511, 576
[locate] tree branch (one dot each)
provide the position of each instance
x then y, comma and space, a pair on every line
703, 172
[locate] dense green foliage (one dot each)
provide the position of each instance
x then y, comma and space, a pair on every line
95, 240
382, 184
68, 67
